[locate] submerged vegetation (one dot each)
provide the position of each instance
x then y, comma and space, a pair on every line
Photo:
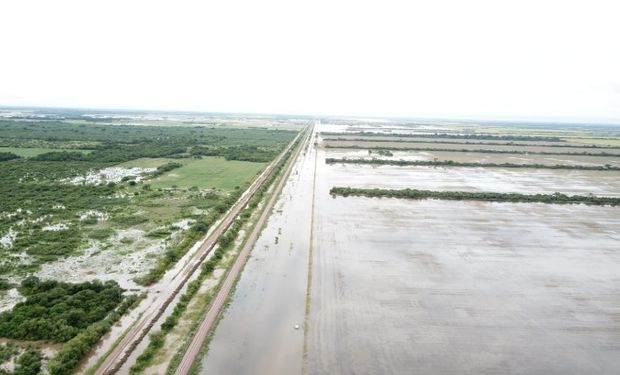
451, 163
556, 198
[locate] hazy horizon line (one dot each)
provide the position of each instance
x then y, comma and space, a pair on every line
467, 118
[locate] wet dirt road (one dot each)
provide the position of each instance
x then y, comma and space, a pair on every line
257, 334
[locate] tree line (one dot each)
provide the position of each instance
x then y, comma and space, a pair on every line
555, 198
469, 143
452, 163
451, 136
484, 151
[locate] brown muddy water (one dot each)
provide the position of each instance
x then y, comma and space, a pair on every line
428, 287
435, 287
257, 333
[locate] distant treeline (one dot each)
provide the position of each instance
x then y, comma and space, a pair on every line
439, 141
451, 163
555, 198
484, 151
57, 130
119, 153
115, 153
240, 152
120, 143
453, 136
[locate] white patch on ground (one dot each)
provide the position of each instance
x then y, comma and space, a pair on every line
58, 207
198, 211
112, 174
22, 258
101, 216
8, 239
184, 224
39, 219
55, 227
120, 262
9, 215
10, 299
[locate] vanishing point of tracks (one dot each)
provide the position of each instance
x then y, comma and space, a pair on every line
121, 352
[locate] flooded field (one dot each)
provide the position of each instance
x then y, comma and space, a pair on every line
431, 140
503, 180
477, 157
473, 147
463, 287
432, 286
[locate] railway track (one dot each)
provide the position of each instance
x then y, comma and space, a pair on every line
124, 349
219, 301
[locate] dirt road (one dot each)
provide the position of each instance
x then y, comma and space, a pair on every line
220, 299
136, 334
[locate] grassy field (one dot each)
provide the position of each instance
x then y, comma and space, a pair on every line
208, 172
27, 152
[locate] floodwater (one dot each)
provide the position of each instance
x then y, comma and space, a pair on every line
473, 147
438, 287
435, 287
257, 334
430, 141
477, 157
505, 180
429, 287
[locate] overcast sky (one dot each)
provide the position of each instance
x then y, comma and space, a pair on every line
525, 59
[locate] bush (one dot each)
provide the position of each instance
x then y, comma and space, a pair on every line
556, 198
58, 311
451, 163
65, 361
29, 363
